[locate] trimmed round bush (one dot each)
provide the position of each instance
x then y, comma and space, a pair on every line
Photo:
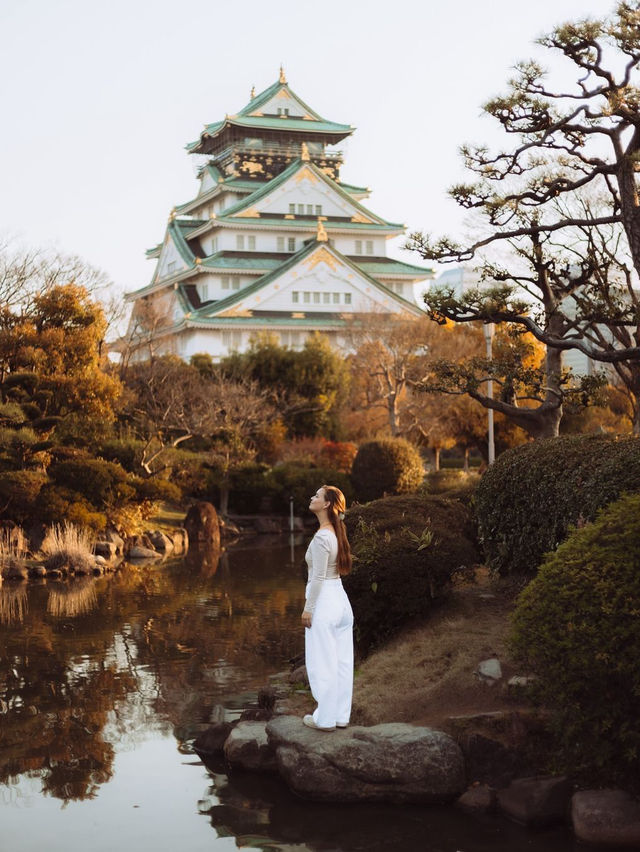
577, 628
529, 498
19, 493
385, 467
155, 489
100, 482
407, 549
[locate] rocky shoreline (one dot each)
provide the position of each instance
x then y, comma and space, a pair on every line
402, 763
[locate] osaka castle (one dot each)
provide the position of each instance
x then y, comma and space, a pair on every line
272, 241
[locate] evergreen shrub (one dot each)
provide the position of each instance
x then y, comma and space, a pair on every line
387, 466
127, 453
407, 550
101, 483
300, 482
155, 489
19, 494
529, 498
577, 628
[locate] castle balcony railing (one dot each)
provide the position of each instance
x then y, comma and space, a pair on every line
275, 150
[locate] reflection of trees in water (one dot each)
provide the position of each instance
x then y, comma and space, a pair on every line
14, 603
71, 599
84, 666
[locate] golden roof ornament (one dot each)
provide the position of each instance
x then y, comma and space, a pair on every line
304, 153
321, 235
283, 79
253, 92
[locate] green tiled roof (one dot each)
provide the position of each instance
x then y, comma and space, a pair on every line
260, 283
272, 91
389, 266
243, 260
309, 224
296, 166
255, 122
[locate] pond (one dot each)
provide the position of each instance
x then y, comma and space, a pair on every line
105, 683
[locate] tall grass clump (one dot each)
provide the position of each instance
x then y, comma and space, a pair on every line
67, 547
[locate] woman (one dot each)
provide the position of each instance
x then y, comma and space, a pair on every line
327, 615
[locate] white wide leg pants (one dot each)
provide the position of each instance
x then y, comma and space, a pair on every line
329, 655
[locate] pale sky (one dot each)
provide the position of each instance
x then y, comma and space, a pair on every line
100, 98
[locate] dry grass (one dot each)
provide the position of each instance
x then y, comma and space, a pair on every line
67, 545
78, 599
13, 544
426, 675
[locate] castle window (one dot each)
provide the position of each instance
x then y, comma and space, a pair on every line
326, 298
226, 282
280, 243
291, 243
214, 245
347, 298
309, 209
235, 283
295, 297
283, 111
239, 242
336, 298
358, 246
318, 209
252, 243
204, 292
400, 289
306, 297
369, 246
300, 209
316, 298
292, 209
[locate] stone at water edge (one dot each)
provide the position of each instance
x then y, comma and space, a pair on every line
607, 817
113, 538
480, 799
106, 549
180, 541
213, 739
247, 747
143, 553
201, 524
160, 542
539, 801
391, 762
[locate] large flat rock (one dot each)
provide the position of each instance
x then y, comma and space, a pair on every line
392, 762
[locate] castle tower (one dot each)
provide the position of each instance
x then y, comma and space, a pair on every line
273, 240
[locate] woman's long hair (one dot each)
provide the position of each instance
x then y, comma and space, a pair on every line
337, 507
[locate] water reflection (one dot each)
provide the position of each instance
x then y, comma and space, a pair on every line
78, 597
14, 603
87, 665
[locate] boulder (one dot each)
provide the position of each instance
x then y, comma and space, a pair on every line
141, 540
213, 739
106, 549
142, 553
113, 537
201, 524
247, 747
489, 761
37, 571
299, 675
180, 541
606, 817
539, 801
489, 671
160, 542
391, 762
480, 799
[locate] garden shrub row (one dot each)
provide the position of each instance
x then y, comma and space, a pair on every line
407, 550
577, 629
527, 501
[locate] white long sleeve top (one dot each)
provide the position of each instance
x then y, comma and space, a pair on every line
321, 558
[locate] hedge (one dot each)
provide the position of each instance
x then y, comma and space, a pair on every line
407, 549
388, 466
529, 498
577, 628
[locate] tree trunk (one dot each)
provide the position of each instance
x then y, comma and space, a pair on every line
465, 466
392, 408
436, 459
